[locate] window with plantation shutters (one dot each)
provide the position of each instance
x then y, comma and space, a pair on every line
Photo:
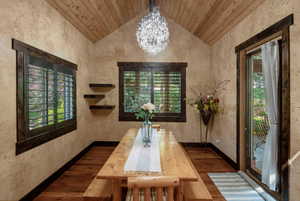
162, 84
167, 91
46, 96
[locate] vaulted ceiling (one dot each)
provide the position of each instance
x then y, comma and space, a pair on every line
207, 19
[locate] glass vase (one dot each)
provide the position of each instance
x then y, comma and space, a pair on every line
147, 133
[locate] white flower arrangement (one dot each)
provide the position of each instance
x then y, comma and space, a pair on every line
145, 112
148, 107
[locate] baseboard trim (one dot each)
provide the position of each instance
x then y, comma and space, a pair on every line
195, 144
42, 186
105, 143
224, 156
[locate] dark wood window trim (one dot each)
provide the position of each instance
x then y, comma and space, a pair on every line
153, 66
277, 27
280, 28
25, 139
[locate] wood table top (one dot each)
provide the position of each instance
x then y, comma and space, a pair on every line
174, 161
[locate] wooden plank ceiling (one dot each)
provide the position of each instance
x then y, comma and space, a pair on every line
207, 19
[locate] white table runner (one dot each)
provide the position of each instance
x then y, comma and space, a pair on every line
144, 159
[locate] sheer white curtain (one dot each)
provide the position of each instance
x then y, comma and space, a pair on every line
270, 65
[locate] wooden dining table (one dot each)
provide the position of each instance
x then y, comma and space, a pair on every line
174, 162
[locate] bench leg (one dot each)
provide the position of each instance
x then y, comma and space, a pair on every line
116, 189
179, 194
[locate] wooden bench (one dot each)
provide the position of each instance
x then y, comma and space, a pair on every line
152, 187
98, 190
195, 190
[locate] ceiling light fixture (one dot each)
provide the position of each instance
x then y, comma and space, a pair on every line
152, 31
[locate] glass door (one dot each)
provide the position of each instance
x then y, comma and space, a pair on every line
264, 109
257, 120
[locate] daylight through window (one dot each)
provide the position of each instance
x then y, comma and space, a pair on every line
162, 84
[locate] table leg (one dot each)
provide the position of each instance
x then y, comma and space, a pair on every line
116, 189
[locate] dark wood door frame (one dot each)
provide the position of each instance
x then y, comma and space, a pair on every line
279, 29
248, 117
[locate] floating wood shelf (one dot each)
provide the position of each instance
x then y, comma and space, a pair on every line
94, 96
102, 107
97, 97
94, 85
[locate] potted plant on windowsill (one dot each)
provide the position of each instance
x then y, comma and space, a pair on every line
208, 104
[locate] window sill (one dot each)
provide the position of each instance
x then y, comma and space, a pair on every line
155, 119
35, 141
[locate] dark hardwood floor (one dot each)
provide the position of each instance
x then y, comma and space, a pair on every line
71, 185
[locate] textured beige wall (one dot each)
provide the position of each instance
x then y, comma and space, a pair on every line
224, 67
122, 46
36, 23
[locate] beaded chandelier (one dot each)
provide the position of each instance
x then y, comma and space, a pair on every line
152, 31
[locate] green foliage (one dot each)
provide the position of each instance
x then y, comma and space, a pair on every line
138, 88
259, 119
49, 93
207, 104
143, 114
258, 87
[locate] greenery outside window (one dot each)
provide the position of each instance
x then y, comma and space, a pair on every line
46, 96
161, 83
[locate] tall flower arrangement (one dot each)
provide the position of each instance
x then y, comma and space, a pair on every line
207, 105
207, 102
145, 112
